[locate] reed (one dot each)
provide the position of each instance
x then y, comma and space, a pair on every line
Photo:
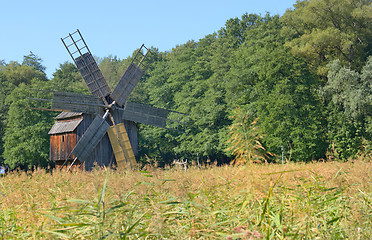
292, 201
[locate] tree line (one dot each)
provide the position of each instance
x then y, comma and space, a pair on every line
298, 85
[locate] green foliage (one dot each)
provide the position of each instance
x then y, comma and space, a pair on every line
33, 61
15, 74
26, 140
247, 63
350, 90
113, 69
349, 97
157, 144
280, 91
67, 78
324, 30
345, 135
11, 76
182, 80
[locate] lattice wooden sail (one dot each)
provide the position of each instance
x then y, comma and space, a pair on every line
64, 101
154, 116
74, 102
84, 60
131, 77
119, 142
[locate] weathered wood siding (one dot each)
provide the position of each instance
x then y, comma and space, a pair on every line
61, 146
102, 154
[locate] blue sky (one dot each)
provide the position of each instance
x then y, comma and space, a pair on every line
115, 27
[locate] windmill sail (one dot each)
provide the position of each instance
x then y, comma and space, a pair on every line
154, 116
64, 102
74, 102
127, 84
131, 76
91, 138
92, 75
122, 153
141, 113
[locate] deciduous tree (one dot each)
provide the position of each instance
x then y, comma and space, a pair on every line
325, 30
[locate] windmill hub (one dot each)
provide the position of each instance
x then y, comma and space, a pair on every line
112, 106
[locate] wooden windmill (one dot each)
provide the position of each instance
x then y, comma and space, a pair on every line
112, 116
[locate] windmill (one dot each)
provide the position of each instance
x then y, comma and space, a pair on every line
110, 109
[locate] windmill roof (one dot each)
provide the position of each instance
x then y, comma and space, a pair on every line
65, 126
67, 115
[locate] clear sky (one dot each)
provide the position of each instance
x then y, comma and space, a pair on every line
115, 27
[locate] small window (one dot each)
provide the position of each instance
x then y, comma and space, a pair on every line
63, 138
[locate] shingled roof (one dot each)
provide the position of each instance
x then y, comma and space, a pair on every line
72, 120
65, 126
67, 115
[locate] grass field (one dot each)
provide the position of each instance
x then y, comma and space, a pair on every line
292, 201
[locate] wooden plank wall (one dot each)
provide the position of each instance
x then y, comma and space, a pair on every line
102, 154
61, 146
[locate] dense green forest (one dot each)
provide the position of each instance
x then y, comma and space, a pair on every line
301, 82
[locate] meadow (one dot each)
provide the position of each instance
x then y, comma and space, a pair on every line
330, 200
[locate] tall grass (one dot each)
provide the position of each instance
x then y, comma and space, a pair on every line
245, 138
293, 201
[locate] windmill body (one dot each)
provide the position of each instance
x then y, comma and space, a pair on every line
100, 129
67, 132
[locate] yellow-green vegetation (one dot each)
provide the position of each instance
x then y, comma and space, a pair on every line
292, 201
244, 138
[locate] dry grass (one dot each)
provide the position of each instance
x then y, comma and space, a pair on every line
292, 201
